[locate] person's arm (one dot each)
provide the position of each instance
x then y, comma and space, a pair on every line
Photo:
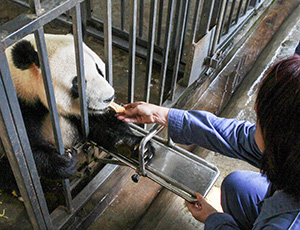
229, 137
144, 113
213, 220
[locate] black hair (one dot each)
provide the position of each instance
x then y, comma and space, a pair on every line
278, 113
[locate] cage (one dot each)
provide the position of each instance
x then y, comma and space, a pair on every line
175, 42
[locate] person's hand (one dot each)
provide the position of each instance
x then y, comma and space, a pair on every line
144, 113
201, 209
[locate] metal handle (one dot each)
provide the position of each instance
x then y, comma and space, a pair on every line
154, 130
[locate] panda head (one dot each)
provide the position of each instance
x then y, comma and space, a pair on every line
27, 76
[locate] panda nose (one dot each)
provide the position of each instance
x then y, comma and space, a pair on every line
108, 100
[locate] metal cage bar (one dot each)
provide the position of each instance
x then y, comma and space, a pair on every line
77, 31
122, 15
108, 43
141, 18
229, 23
196, 20
44, 62
160, 21
132, 51
205, 18
179, 48
151, 39
239, 11
164, 66
15, 142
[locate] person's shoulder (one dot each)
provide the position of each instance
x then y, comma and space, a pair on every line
278, 207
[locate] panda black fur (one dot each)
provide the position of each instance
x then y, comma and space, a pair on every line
105, 129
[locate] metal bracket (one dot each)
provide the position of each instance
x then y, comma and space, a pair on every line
211, 62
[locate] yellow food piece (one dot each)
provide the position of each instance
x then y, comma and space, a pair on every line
117, 108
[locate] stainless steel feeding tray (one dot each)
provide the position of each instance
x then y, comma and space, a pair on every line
173, 167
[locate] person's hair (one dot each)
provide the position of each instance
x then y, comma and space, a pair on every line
278, 114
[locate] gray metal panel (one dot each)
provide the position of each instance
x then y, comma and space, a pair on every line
45, 67
77, 31
192, 173
25, 24
16, 144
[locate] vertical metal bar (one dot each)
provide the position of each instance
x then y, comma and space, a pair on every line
185, 27
216, 9
83, 17
223, 19
150, 50
141, 18
43, 57
179, 49
256, 3
77, 31
122, 14
35, 6
160, 18
195, 20
247, 7
238, 14
132, 51
230, 15
108, 42
89, 9
218, 28
15, 142
176, 29
205, 18
164, 66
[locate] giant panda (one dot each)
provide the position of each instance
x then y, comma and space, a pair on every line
105, 129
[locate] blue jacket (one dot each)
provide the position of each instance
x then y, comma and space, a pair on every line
235, 139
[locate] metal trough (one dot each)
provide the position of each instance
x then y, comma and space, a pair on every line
173, 167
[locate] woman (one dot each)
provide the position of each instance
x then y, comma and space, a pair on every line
250, 200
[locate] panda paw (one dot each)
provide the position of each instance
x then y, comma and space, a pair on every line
149, 150
68, 164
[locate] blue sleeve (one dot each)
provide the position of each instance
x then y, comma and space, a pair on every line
220, 221
229, 137
297, 51
283, 221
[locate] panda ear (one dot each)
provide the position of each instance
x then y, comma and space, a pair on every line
24, 55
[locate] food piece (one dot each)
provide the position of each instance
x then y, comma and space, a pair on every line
116, 107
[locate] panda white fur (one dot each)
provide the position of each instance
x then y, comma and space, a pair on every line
105, 129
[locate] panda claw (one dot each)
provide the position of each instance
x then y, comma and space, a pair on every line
70, 153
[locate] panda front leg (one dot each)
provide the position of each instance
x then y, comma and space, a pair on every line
51, 164
110, 133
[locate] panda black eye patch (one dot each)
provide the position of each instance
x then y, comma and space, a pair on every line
99, 70
75, 88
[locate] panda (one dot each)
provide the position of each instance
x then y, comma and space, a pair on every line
105, 129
